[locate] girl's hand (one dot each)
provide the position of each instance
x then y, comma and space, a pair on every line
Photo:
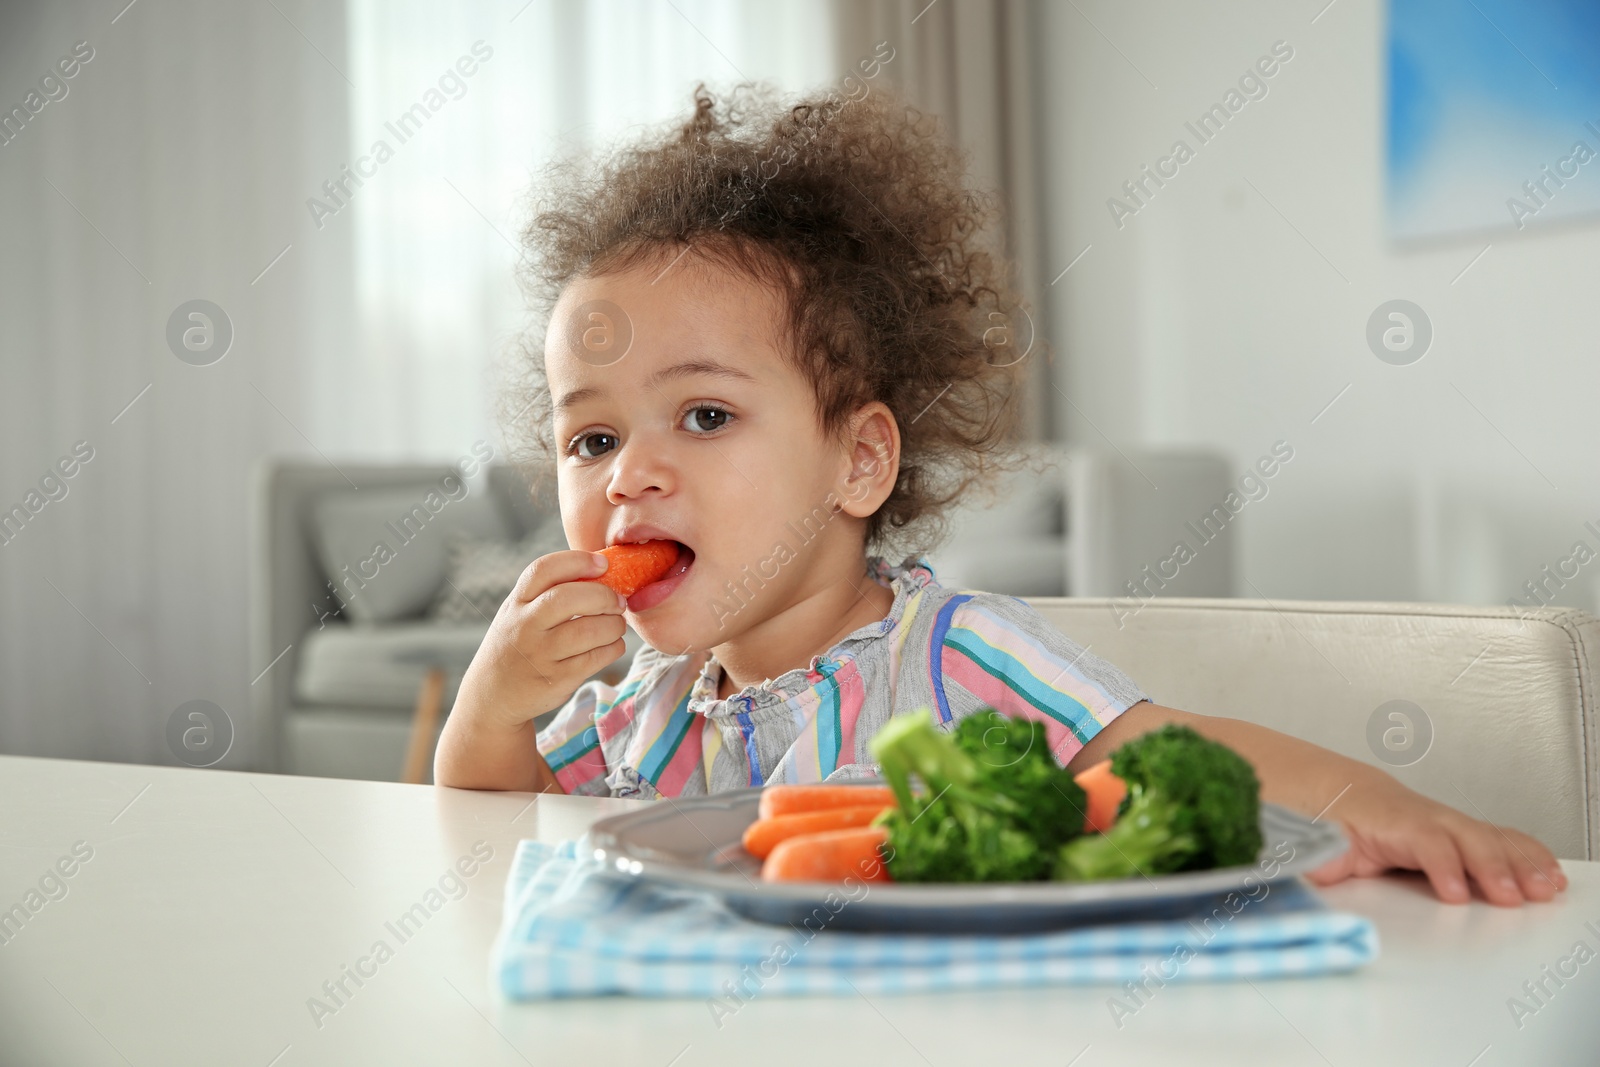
551, 633
1390, 826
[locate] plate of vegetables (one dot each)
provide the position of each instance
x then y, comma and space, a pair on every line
979, 829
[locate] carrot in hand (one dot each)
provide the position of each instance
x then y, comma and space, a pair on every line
830, 856
763, 835
1105, 791
792, 799
632, 567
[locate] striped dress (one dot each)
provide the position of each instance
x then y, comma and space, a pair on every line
663, 732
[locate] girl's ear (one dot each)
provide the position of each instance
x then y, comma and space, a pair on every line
873, 440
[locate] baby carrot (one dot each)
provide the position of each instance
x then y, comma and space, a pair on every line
763, 835
1105, 792
830, 856
632, 567
792, 799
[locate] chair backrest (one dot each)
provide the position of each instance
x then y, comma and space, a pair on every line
1484, 709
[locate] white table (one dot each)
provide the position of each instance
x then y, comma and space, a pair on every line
215, 905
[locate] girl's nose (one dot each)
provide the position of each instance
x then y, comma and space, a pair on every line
639, 470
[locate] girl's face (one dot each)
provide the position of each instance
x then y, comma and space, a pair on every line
677, 416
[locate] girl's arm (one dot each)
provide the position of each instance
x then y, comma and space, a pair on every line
475, 754
1389, 825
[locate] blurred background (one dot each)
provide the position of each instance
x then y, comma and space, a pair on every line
1307, 285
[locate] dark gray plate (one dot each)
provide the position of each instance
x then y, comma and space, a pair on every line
695, 843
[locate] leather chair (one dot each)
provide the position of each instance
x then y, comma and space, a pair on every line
1489, 710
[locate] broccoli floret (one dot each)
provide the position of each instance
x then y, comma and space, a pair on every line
995, 806
1192, 804
1215, 789
1142, 841
1014, 756
1204, 794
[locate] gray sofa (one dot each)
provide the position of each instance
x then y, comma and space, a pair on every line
339, 698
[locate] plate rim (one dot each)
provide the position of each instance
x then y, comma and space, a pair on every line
1328, 841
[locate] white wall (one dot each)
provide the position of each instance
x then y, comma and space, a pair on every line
175, 168
1208, 320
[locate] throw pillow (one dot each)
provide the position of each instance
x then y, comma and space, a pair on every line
384, 550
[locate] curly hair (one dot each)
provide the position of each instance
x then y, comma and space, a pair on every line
857, 212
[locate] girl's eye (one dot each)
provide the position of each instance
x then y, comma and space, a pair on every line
592, 445
701, 420
705, 420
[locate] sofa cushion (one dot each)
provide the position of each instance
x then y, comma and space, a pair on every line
383, 666
384, 550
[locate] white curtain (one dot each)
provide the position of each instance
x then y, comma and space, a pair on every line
178, 166
436, 228
972, 63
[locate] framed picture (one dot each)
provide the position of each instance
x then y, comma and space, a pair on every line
1493, 122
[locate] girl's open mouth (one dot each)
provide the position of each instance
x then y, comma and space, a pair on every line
657, 591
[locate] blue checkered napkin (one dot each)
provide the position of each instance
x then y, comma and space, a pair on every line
574, 928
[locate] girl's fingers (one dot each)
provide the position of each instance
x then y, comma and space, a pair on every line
1536, 867
1535, 886
556, 568
560, 603
1438, 858
1542, 859
578, 636
1454, 851
1335, 870
1485, 849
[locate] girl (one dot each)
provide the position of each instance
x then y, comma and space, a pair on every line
768, 344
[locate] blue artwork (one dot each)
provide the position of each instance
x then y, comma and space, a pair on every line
1494, 115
